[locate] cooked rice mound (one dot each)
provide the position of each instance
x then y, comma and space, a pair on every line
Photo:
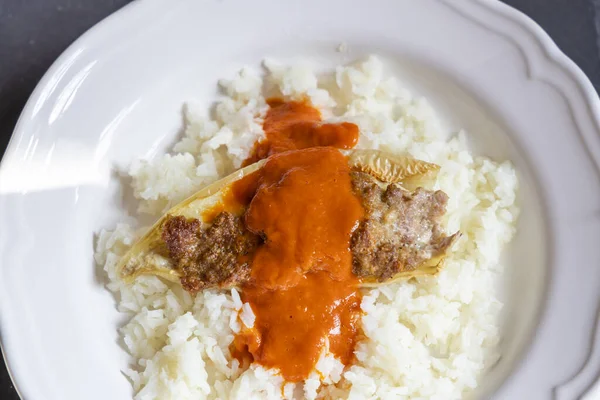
430, 338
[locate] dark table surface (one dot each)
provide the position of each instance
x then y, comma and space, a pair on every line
34, 32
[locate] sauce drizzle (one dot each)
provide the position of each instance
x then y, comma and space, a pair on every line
302, 289
295, 125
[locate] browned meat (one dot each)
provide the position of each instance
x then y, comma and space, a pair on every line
400, 230
215, 257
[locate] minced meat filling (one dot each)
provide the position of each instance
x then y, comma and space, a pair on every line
400, 230
215, 257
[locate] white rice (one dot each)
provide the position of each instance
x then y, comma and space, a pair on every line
428, 339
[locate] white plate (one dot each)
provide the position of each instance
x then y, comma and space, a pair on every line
116, 94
